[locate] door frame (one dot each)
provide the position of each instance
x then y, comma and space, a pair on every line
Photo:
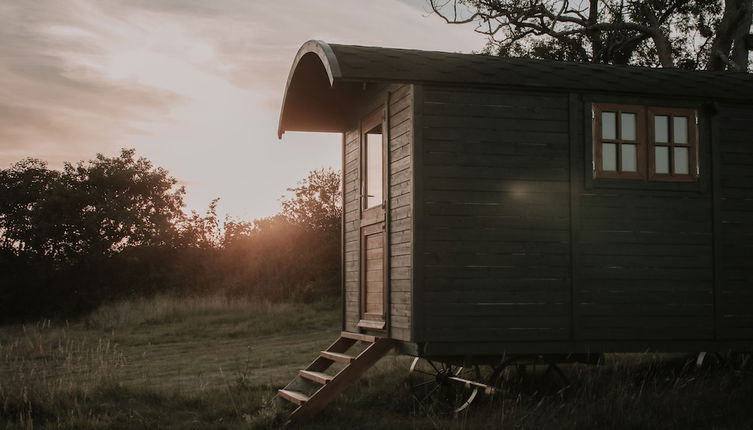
374, 220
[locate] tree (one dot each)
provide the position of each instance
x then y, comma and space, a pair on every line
668, 33
93, 208
316, 203
22, 187
202, 232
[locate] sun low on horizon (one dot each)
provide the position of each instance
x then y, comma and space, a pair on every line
193, 86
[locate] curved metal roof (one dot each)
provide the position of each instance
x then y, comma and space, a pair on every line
319, 68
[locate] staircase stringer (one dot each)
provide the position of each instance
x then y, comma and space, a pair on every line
347, 375
298, 383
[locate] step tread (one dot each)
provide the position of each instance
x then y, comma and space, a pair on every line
319, 377
293, 396
358, 336
337, 356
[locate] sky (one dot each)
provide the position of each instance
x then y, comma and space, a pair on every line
195, 86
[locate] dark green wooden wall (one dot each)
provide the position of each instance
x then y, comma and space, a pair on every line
515, 241
495, 216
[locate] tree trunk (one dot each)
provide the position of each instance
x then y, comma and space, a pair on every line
732, 28
663, 47
594, 35
740, 46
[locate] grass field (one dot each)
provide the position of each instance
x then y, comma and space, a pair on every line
211, 363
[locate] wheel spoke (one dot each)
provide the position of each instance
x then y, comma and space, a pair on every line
423, 384
429, 394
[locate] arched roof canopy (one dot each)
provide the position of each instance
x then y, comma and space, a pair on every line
311, 102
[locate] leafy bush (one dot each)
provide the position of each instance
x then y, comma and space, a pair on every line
115, 227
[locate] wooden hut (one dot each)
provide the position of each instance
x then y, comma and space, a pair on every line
501, 206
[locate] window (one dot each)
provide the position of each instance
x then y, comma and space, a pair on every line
373, 163
644, 143
672, 141
619, 141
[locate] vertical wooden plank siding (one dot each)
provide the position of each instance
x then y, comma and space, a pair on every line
496, 216
399, 193
417, 218
342, 234
735, 295
351, 214
400, 216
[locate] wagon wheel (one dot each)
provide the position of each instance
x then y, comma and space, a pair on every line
706, 360
529, 374
730, 359
433, 389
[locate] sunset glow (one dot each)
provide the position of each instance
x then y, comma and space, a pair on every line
194, 86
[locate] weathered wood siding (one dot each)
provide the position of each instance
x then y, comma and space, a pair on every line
495, 216
400, 206
351, 213
735, 155
401, 189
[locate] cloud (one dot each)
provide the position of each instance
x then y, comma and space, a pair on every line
53, 97
193, 85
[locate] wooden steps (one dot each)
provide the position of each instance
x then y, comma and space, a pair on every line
336, 356
293, 396
358, 336
319, 377
314, 388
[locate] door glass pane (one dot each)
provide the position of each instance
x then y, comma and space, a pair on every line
662, 159
681, 160
680, 129
627, 126
629, 158
374, 167
608, 125
609, 157
661, 128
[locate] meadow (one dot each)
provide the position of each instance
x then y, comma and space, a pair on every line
215, 363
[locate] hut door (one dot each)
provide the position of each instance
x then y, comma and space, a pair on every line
373, 273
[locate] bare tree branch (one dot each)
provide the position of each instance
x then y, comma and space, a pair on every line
650, 32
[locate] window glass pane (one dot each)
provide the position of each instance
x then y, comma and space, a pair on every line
608, 125
374, 168
662, 159
629, 158
680, 129
681, 160
609, 157
627, 126
661, 128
